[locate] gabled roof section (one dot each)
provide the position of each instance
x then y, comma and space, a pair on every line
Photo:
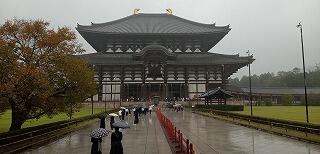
159, 50
216, 93
153, 24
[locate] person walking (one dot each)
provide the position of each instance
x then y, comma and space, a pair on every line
96, 145
136, 117
123, 113
111, 122
150, 109
120, 114
102, 122
127, 112
116, 145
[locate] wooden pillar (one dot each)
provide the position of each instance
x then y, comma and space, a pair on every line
163, 91
122, 92
186, 82
186, 90
180, 91
143, 91
111, 92
223, 77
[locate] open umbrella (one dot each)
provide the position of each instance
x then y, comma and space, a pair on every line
122, 107
121, 124
99, 132
113, 114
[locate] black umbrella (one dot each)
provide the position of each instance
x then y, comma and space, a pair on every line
121, 124
99, 132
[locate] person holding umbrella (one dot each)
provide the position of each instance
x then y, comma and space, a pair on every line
111, 122
96, 145
112, 115
136, 116
150, 109
102, 122
116, 145
116, 137
120, 112
96, 139
123, 113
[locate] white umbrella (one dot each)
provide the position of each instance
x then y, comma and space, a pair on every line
99, 132
122, 107
113, 114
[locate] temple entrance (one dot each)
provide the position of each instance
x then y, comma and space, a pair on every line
131, 92
153, 90
175, 90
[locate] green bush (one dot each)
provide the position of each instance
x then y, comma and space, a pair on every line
221, 107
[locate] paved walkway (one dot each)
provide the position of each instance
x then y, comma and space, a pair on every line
146, 137
212, 136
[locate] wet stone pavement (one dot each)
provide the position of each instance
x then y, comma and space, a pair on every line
208, 135
146, 137
213, 136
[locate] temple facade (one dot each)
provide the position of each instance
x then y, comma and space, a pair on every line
145, 55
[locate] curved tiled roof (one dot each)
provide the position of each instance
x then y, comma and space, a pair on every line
153, 23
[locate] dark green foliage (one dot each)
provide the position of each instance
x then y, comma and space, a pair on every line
293, 78
221, 107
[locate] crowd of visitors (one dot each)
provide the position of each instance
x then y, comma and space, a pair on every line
116, 136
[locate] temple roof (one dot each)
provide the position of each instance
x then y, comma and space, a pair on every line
153, 23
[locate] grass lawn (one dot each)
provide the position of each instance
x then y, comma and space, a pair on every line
293, 113
5, 119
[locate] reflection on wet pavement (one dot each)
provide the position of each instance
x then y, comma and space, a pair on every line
214, 136
146, 137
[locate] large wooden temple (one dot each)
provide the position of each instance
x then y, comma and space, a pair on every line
143, 55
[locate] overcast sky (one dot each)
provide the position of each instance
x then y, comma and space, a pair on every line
265, 27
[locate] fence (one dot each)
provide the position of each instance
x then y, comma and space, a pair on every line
181, 143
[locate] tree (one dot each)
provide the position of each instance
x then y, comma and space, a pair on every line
39, 73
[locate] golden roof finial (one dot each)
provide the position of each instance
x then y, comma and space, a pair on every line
136, 11
169, 11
